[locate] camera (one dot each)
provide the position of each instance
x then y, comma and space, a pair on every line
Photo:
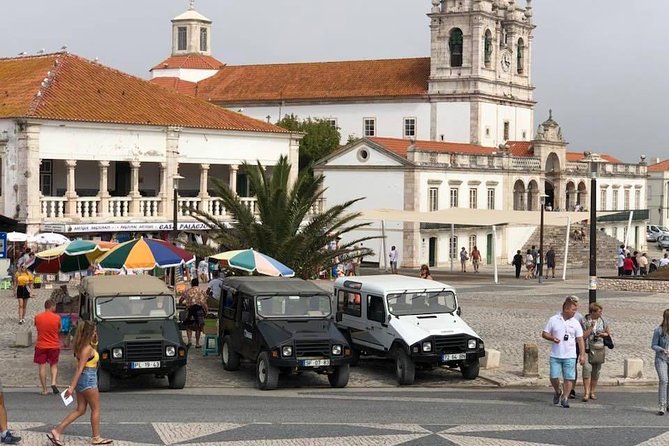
566, 337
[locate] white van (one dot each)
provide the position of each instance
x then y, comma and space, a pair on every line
407, 319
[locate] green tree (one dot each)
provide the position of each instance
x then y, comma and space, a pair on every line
283, 225
320, 138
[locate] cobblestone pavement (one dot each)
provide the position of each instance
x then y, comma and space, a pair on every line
506, 315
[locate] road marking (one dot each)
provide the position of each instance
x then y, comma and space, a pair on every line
660, 440
481, 441
172, 433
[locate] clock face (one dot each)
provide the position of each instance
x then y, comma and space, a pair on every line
506, 61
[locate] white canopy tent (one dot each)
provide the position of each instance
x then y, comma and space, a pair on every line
483, 217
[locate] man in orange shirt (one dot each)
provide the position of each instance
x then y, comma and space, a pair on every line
47, 348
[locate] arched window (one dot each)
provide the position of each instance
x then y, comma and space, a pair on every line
520, 62
455, 46
487, 48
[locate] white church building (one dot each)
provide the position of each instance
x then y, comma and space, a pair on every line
455, 129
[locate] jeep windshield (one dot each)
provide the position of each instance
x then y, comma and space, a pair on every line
302, 306
134, 307
421, 302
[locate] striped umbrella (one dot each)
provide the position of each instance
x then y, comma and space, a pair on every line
144, 254
253, 262
77, 255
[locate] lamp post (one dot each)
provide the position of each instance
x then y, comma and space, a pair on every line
175, 186
592, 282
540, 269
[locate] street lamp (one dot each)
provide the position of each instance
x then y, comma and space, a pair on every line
592, 282
175, 186
541, 239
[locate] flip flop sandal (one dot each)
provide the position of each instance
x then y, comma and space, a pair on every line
54, 441
55, 390
101, 440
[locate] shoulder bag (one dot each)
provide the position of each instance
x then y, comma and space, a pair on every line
597, 354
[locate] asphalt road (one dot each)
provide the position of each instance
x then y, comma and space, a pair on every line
621, 416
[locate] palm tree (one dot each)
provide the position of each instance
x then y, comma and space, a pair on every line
282, 225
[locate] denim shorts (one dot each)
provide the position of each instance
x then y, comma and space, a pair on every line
563, 367
88, 379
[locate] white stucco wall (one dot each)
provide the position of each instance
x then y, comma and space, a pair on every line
493, 117
186, 74
453, 122
481, 181
658, 198
8, 169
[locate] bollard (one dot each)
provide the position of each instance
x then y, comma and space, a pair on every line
633, 368
491, 359
530, 360
24, 339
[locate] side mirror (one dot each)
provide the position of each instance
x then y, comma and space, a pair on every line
338, 316
246, 317
459, 311
390, 316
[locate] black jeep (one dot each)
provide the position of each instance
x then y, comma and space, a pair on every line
137, 328
282, 325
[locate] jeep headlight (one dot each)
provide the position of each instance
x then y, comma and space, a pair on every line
336, 350
286, 350
471, 344
117, 353
170, 350
427, 346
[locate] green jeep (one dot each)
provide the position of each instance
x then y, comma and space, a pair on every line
137, 328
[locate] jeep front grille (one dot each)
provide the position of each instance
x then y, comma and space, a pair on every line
312, 348
144, 351
450, 344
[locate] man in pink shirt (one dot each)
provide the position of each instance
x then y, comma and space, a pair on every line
47, 348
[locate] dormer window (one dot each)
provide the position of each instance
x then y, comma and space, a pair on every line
182, 38
204, 39
455, 46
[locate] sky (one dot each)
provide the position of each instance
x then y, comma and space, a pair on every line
600, 65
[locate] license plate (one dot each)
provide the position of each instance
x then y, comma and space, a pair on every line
314, 362
145, 365
453, 357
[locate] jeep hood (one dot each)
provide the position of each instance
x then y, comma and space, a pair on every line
112, 333
415, 328
277, 332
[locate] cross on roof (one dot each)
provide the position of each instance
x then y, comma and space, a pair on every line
191, 4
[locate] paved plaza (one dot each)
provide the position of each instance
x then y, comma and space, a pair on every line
506, 315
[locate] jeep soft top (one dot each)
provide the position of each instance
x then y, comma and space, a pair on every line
270, 286
124, 285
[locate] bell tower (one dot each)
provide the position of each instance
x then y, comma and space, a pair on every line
191, 33
481, 58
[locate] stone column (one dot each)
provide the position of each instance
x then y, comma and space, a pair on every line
134, 191
71, 193
171, 170
233, 177
204, 183
103, 192
162, 193
26, 205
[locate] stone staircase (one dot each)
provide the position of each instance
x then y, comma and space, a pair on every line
579, 251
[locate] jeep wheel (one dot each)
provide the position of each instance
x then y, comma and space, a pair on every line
266, 374
339, 377
229, 358
177, 379
470, 370
404, 367
104, 380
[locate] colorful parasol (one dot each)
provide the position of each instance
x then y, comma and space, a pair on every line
144, 254
77, 255
254, 262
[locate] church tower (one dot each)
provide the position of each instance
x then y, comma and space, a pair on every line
481, 68
191, 33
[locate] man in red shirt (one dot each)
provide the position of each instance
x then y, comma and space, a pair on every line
47, 348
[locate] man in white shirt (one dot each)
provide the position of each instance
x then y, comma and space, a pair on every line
564, 331
215, 285
664, 261
394, 255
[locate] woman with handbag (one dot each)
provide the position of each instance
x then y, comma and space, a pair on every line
660, 344
595, 330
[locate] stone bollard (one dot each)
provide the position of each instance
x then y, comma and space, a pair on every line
491, 359
24, 339
530, 360
633, 368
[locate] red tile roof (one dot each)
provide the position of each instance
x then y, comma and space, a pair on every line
662, 166
400, 146
321, 80
520, 148
81, 90
176, 85
578, 156
192, 61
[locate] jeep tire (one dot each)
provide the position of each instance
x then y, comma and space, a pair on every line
404, 367
104, 380
229, 357
470, 370
267, 375
339, 377
177, 379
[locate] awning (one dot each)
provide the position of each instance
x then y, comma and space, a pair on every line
478, 217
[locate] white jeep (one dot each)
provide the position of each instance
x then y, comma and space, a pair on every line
407, 319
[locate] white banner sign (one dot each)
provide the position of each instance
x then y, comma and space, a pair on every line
119, 227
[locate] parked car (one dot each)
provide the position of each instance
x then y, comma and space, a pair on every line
663, 242
653, 232
282, 325
137, 328
409, 320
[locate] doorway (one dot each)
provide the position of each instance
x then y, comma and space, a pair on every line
432, 256
550, 195
488, 249
121, 179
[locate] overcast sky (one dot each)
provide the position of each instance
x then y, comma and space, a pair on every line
601, 65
